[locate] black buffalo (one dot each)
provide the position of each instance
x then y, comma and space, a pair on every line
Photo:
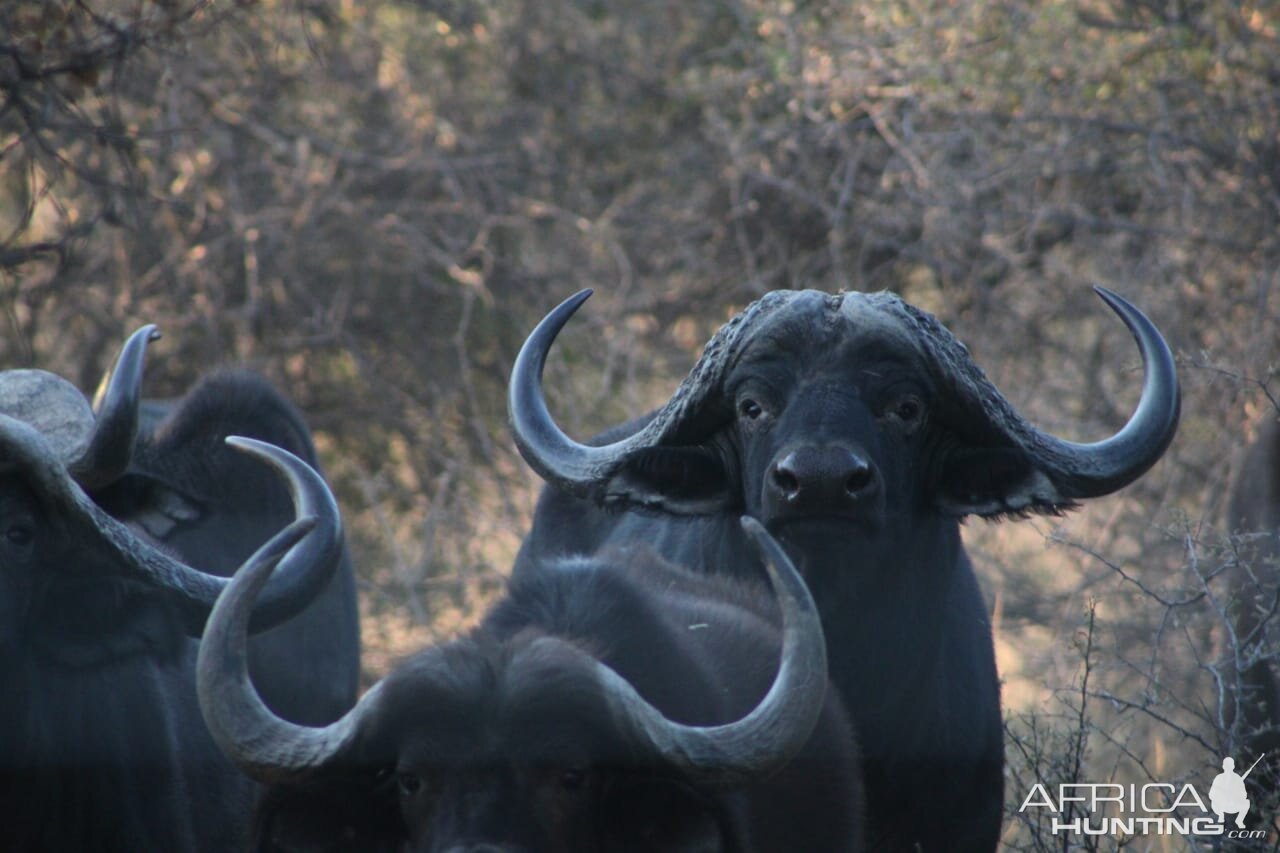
186, 491
1253, 514
101, 742
860, 431
618, 705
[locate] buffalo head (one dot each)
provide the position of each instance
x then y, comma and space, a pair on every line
855, 408
55, 540
860, 431
516, 743
103, 746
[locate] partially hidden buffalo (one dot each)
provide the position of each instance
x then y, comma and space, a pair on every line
611, 705
185, 491
102, 746
1253, 515
860, 432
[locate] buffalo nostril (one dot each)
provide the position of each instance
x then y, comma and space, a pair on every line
858, 480
786, 481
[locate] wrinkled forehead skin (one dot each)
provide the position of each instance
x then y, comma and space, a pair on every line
481, 705
827, 329
816, 320
51, 405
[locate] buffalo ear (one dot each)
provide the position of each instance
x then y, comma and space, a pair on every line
679, 480
326, 818
995, 481
663, 815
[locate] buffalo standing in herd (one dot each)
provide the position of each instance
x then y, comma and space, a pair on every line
1253, 513
104, 747
858, 430
626, 693
614, 704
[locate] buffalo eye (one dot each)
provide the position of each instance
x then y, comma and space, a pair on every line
573, 779
410, 784
20, 535
907, 410
750, 409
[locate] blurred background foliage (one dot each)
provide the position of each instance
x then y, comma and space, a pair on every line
373, 202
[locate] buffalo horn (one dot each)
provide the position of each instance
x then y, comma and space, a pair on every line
1076, 470
776, 729
1092, 470
110, 446
264, 746
555, 456
273, 750
304, 572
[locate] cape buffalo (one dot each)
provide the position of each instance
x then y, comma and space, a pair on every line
103, 747
1253, 513
618, 704
185, 491
860, 431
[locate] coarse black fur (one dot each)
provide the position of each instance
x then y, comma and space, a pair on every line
860, 432
1253, 516
212, 506
502, 738
103, 748
883, 470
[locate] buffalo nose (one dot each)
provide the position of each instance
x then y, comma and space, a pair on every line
822, 479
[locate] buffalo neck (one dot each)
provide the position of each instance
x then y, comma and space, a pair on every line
888, 609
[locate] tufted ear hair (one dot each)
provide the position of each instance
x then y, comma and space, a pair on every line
662, 814
347, 817
679, 480
995, 481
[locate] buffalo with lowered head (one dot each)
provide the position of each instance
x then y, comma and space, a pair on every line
613, 705
860, 432
101, 742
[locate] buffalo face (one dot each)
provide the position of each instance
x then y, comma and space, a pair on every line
512, 743
519, 752
860, 430
825, 429
496, 748
854, 408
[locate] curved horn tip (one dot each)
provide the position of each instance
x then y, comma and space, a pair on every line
580, 297
555, 456
277, 457
560, 315
128, 361
764, 542
790, 588
535, 348
252, 446
287, 461
1103, 467
140, 338
1117, 302
151, 331
1128, 312
267, 451
115, 403
309, 490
